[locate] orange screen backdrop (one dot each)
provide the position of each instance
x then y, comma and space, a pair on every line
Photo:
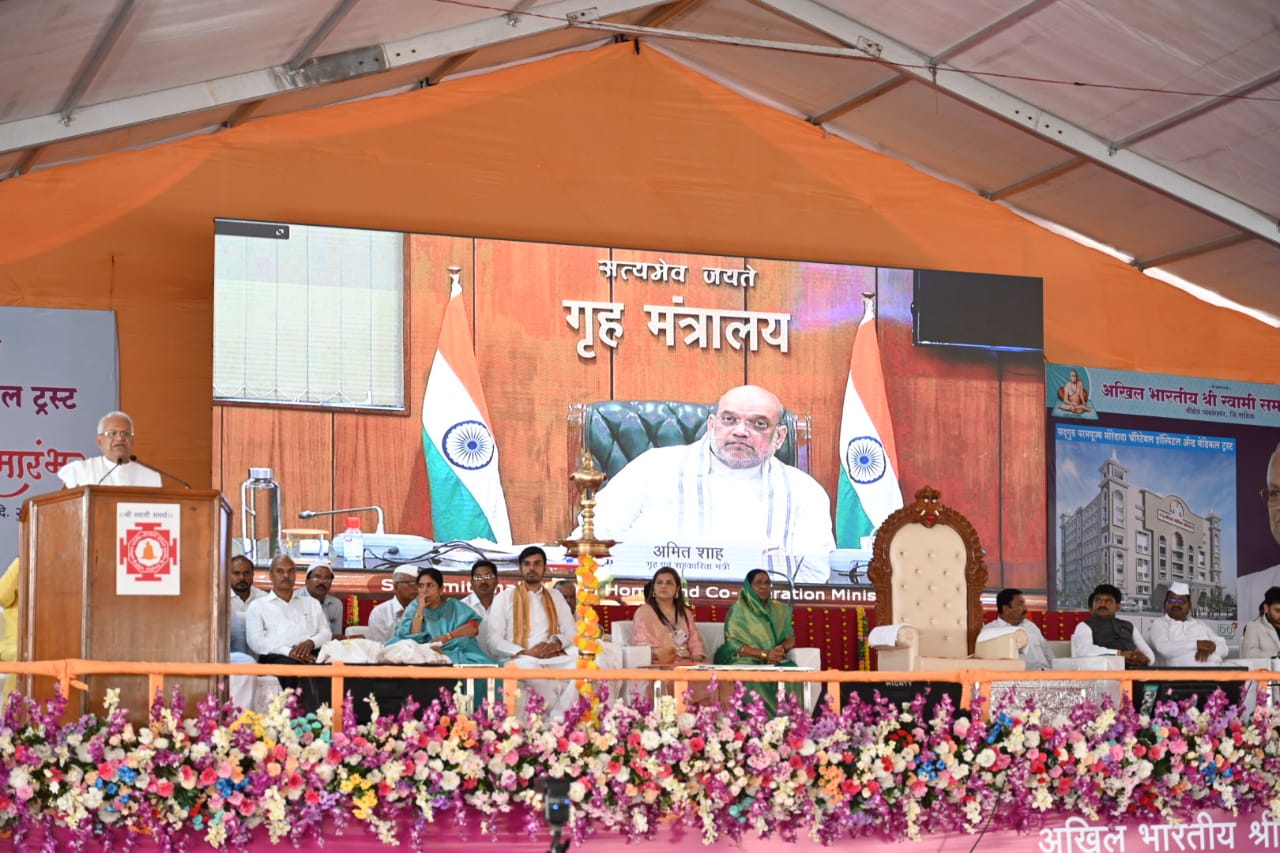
602, 148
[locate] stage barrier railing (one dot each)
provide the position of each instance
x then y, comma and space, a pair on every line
68, 673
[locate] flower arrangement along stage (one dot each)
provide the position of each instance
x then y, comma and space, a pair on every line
230, 778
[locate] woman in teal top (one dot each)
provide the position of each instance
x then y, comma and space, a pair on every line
758, 631
432, 618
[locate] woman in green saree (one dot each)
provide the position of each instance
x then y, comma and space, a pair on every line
758, 631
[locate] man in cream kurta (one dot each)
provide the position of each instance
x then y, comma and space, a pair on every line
726, 486
1178, 639
1251, 589
545, 645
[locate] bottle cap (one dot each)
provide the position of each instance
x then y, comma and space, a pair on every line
352, 521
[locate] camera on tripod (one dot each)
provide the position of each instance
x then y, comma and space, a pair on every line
556, 808
555, 798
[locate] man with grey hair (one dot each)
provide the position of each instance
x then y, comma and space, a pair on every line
116, 465
1250, 589
726, 486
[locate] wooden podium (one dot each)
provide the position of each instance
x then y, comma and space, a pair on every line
124, 573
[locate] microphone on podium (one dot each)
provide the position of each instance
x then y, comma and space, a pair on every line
173, 477
312, 513
119, 462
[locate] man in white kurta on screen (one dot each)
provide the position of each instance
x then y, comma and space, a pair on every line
531, 627
1250, 589
726, 486
1178, 639
115, 467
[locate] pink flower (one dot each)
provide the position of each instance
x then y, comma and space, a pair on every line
512, 758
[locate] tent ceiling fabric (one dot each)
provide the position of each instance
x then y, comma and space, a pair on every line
1148, 126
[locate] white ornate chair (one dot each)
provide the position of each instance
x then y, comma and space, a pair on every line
928, 573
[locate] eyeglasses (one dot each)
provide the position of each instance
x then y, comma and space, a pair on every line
119, 433
1270, 494
484, 577
729, 420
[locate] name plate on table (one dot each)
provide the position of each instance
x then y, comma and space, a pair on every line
694, 558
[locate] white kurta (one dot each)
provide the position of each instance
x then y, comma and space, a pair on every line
1175, 642
90, 472
1251, 589
1082, 645
497, 631
685, 490
1260, 639
383, 620
274, 626
1036, 655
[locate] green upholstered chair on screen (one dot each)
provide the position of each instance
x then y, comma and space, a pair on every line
617, 431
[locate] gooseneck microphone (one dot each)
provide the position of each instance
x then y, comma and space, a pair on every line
312, 513
173, 477
111, 470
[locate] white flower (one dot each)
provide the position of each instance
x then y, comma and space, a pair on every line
650, 740
986, 758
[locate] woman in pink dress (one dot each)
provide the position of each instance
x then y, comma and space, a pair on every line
665, 623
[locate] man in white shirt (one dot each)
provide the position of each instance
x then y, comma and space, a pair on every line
242, 593
484, 585
1103, 634
530, 626
115, 467
1011, 607
727, 486
1262, 636
386, 616
287, 628
1178, 639
318, 583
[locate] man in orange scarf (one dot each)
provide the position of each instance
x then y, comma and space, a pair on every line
531, 627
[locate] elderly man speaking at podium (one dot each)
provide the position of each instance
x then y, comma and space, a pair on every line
727, 486
116, 465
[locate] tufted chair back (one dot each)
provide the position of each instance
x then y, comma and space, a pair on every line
617, 431
928, 571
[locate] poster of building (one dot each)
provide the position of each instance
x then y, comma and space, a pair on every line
1155, 480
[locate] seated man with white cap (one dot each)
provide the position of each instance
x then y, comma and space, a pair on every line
1178, 639
319, 582
384, 618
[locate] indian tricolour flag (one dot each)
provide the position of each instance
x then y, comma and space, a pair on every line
868, 491
462, 457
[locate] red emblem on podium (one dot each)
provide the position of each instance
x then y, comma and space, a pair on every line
148, 551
